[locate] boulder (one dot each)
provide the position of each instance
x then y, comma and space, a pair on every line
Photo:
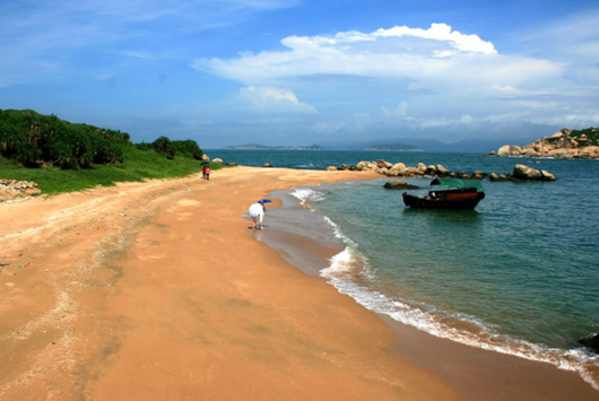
366, 166
591, 342
590, 152
382, 170
498, 177
267, 165
504, 151
442, 170
331, 168
523, 172
205, 157
530, 152
383, 164
217, 160
397, 169
479, 175
399, 185
547, 176
509, 151
561, 153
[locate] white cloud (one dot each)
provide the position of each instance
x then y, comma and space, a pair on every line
436, 59
447, 77
442, 33
275, 100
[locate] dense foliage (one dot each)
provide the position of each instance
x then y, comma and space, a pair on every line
170, 148
36, 140
80, 156
591, 135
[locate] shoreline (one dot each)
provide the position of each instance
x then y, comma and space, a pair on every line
158, 290
476, 373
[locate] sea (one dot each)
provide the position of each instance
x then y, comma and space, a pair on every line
518, 275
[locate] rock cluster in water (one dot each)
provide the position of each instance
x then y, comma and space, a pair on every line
561, 145
520, 172
12, 189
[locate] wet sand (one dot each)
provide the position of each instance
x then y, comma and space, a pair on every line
477, 374
158, 291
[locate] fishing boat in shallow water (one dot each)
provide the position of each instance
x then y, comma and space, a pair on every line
453, 194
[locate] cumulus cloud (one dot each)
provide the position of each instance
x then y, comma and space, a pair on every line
447, 77
399, 52
275, 100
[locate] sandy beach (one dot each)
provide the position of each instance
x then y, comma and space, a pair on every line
158, 291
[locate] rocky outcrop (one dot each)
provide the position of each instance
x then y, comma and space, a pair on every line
525, 173
565, 144
14, 190
402, 170
520, 172
399, 185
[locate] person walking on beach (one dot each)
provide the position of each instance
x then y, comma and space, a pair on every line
256, 212
207, 172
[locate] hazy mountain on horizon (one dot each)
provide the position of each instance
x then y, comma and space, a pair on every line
477, 145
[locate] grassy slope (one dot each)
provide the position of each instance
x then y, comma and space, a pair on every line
138, 165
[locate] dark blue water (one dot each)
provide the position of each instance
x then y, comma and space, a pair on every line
518, 275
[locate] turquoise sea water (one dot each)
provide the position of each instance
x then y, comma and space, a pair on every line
519, 275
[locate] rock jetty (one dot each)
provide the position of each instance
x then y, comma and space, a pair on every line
383, 167
13, 190
565, 144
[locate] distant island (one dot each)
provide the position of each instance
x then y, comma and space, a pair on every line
396, 147
264, 147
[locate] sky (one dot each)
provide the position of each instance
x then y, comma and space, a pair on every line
303, 72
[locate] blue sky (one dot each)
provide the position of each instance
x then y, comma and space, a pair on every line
300, 72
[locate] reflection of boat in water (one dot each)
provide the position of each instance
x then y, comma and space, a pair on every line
453, 194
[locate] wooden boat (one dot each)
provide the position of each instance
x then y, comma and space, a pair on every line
454, 194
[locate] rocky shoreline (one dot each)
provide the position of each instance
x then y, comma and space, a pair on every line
520, 172
565, 144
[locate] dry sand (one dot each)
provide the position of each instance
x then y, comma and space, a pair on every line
158, 291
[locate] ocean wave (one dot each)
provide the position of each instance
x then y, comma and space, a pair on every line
351, 273
307, 195
348, 273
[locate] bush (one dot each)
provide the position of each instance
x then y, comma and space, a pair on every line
188, 148
35, 140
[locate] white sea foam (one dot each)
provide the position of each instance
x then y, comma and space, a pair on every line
307, 194
347, 267
350, 272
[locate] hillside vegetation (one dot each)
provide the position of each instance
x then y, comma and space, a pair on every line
61, 156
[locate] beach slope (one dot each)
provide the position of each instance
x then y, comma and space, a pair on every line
158, 291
